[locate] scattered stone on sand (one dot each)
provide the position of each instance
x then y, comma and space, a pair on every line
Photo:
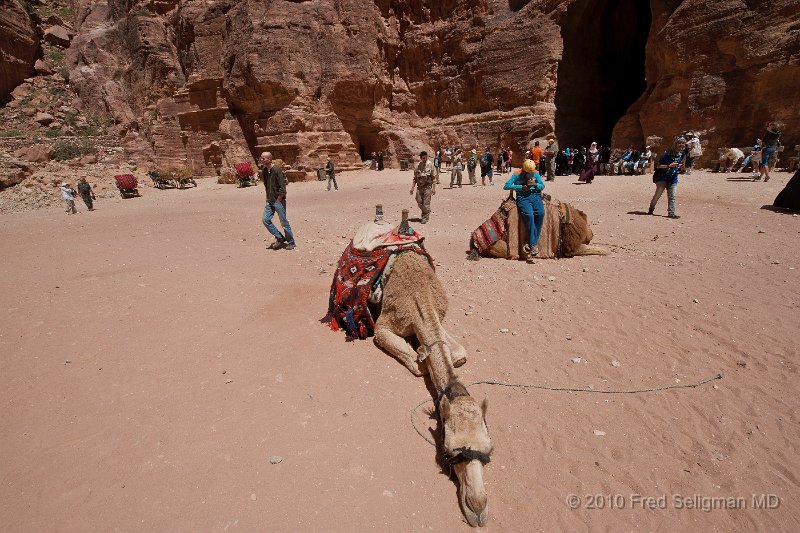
227, 381
616, 364
253, 497
599, 433
569, 337
551, 278
504, 330
695, 300
576, 359
275, 459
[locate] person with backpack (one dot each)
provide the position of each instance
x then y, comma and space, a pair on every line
486, 166
528, 185
472, 164
666, 175
772, 140
437, 163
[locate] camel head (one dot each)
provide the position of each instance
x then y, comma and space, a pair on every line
577, 233
467, 448
582, 223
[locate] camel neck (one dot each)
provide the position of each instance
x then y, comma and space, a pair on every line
440, 367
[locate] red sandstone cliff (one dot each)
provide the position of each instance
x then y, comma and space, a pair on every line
18, 45
207, 83
725, 67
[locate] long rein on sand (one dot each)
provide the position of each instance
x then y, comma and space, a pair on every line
564, 389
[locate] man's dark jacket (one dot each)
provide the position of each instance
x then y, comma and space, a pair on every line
274, 182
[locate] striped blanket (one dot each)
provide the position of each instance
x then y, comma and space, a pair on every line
491, 231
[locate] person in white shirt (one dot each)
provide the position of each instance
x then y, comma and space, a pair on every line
68, 194
730, 158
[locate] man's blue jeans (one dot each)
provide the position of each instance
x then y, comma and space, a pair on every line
531, 208
270, 208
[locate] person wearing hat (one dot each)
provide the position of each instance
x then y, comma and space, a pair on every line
666, 175
68, 194
550, 152
527, 183
693, 149
455, 174
472, 163
644, 160
425, 183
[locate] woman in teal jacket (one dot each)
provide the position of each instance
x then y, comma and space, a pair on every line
528, 185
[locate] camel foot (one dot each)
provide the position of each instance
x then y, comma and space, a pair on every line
460, 361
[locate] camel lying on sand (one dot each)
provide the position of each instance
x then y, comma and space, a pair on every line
565, 233
414, 305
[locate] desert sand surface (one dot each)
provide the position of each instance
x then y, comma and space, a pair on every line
156, 356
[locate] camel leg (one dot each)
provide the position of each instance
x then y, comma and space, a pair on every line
388, 341
457, 352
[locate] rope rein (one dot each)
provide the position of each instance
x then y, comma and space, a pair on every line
563, 389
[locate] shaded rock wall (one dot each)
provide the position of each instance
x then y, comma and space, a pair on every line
18, 45
724, 67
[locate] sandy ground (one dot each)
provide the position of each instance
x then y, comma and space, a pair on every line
155, 356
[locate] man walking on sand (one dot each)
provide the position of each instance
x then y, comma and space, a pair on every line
426, 186
275, 185
68, 194
330, 171
85, 190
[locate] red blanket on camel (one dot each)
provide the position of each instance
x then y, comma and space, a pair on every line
357, 273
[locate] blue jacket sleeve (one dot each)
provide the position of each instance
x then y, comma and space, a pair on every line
511, 184
539, 182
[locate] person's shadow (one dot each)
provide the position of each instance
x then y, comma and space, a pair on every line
638, 213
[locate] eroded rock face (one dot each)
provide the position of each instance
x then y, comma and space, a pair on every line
724, 67
204, 83
18, 45
308, 79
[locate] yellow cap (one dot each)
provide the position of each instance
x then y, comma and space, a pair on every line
528, 166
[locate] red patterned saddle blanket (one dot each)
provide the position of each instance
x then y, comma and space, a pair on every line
357, 274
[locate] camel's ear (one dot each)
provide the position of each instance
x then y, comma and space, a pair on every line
484, 406
444, 408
